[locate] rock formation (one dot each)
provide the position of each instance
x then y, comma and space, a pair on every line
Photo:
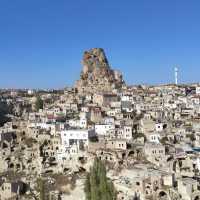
97, 74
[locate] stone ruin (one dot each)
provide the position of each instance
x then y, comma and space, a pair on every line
96, 74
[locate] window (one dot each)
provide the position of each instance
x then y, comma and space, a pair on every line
137, 183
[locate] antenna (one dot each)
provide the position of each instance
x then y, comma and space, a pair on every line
176, 75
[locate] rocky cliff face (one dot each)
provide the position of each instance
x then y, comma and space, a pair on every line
94, 59
97, 74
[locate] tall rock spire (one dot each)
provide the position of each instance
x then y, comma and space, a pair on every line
96, 74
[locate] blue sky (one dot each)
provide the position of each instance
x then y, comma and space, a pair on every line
42, 41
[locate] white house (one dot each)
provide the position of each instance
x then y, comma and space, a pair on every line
127, 98
53, 127
125, 133
198, 90
111, 113
116, 104
153, 137
79, 137
31, 92
104, 129
79, 123
73, 123
83, 120
109, 120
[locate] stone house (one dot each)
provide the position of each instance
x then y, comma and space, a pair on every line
104, 99
104, 129
155, 153
153, 137
188, 188
11, 190
77, 137
116, 144
125, 132
95, 114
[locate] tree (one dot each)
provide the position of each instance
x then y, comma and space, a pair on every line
4, 110
41, 188
97, 185
164, 140
139, 135
39, 103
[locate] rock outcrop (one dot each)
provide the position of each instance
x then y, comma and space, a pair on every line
97, 74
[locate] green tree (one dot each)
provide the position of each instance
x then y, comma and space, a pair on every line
164, 140
39, 103
191, 136
4, 110
97, 185
139, 135
41, 188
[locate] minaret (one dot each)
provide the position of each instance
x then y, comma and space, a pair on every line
176, 75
